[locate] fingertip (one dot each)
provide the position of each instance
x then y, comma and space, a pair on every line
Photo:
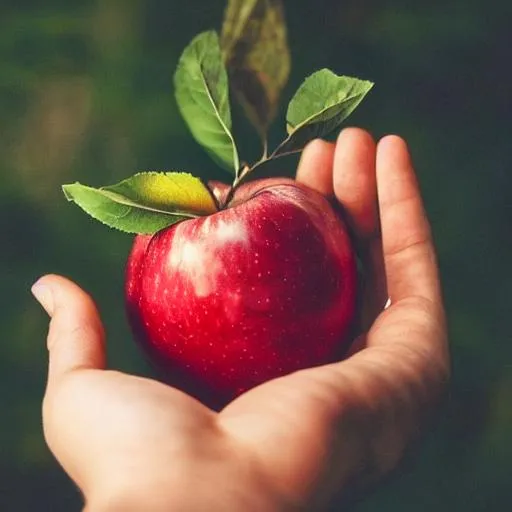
42, 292
393, 138
64, 293
318, 145
315, 166
354, 132
76, 335
317, 148
396, 177
395, 146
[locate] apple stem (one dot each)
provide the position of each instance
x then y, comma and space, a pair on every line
236, 182
245, 169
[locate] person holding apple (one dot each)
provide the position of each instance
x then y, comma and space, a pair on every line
292, 443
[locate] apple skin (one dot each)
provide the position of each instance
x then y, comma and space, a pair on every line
262, 288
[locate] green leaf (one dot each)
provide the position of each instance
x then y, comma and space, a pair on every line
146, 202
255, 47
202, 93
321, 104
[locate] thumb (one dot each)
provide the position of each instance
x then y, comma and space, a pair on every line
76, 336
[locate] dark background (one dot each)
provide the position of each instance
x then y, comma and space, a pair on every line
86, 94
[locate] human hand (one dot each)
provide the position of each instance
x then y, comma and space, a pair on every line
136, 444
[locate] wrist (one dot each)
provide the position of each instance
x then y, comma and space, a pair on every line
134, 492
129, 501
186, 494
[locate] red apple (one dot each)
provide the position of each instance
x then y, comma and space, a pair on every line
262, 288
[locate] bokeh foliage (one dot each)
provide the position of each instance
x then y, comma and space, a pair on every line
85, 94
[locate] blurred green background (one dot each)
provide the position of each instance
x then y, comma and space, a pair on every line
85, 94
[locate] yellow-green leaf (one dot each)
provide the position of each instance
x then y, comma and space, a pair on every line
202, 94
146, 202
255, 47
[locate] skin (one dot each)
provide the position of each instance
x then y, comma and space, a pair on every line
291, 444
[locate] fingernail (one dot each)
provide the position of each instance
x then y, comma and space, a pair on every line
44, 296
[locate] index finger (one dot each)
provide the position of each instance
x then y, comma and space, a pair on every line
409, 255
